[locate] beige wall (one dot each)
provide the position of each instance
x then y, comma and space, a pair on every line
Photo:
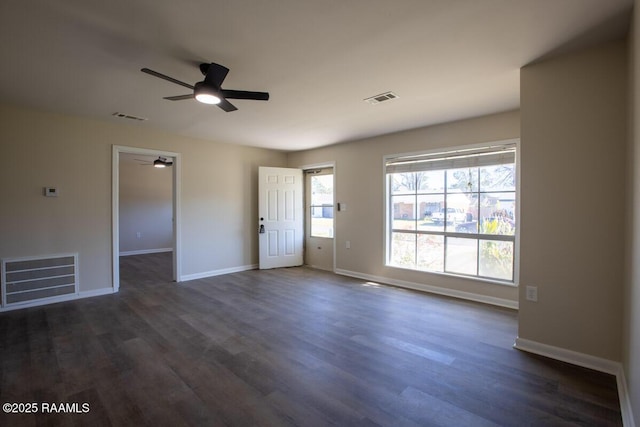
360, 184
146, 206
573, 118
219, 192
631, 337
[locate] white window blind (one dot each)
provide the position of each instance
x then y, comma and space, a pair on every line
467, 158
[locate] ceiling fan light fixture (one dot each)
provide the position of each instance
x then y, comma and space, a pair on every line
206, 98
209, 91
161, 162
205, 94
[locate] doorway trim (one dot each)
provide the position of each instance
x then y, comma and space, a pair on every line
324, 165
115, 208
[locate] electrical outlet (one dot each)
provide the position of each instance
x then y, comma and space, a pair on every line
532, 293
139, 234
348, 244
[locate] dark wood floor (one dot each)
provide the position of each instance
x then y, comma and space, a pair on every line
285, 347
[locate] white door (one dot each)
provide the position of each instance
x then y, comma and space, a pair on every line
280, 222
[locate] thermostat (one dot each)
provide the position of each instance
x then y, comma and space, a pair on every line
50, 191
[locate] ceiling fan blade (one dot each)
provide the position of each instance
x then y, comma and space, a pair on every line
214, 74
167, 78
179, 97
244, 94
227, 106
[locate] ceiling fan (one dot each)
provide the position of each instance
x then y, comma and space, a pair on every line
160, 162
209, 91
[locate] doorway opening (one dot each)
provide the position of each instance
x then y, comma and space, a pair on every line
320, 218
145, 210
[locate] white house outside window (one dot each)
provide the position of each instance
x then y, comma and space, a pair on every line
454, 212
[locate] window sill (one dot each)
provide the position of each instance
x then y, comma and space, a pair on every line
458, 276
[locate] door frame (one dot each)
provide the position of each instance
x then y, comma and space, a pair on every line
115, 208
324, 165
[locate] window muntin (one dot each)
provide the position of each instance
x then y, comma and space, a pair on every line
321, 206
454, 212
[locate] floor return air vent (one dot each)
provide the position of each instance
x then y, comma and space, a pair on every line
33, 280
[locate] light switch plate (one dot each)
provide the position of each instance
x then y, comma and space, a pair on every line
532, 293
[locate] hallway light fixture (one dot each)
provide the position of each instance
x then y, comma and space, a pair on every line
161, 162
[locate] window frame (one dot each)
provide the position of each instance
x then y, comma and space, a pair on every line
389, 216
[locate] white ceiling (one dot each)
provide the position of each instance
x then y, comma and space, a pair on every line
445, 59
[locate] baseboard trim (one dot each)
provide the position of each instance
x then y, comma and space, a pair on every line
96, 292
569, 356
586, 361
625, 400
501, 302
145, 251
220, 272
62, 298
317, 267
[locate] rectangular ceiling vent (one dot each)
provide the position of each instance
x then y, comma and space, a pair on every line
387, 96
128, 116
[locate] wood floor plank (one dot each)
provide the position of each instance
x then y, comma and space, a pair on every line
285, 347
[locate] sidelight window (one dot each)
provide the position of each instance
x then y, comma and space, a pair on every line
321, 204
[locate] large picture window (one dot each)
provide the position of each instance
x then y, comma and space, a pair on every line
454, 212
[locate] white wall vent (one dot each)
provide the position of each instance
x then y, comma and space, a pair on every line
128, 116
34, 280
387, 96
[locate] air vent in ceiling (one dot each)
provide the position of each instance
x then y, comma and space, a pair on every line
377, 99
127, 116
